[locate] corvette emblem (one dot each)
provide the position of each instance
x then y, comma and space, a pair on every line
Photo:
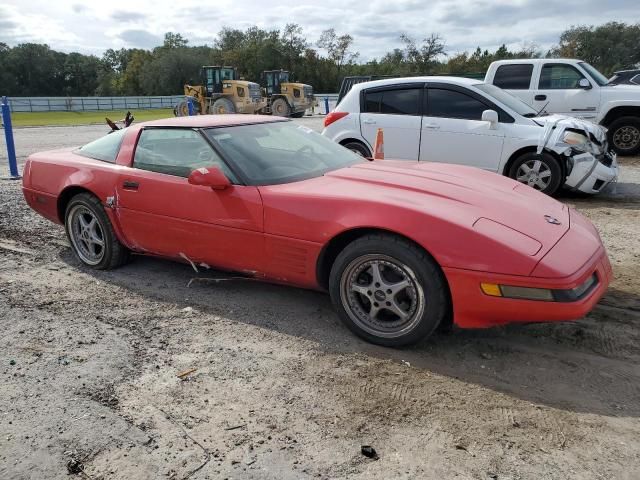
552, 220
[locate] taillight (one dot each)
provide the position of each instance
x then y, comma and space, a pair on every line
333, 116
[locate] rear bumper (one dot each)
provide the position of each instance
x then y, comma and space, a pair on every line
474, 309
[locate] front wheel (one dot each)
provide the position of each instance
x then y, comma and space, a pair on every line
222, 106
542, 172
91, 234
624, 135
388, 291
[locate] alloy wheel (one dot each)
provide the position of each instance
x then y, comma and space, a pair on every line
382, 295
86, 235
626, 138
535, 173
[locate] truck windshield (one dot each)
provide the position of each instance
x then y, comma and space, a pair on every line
505, 98
599, 78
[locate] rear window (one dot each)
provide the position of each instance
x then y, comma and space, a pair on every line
513, 77
394, 102
105, 148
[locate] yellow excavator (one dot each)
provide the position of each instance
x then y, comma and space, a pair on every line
221, 92
286, 98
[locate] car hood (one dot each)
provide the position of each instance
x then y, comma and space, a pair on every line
466, 194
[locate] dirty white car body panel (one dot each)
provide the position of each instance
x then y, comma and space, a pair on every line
472, 141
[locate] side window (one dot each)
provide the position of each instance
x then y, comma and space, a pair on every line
559, 76
176, 151
635, 79
393, 102
513, 77
105, 148
452, 104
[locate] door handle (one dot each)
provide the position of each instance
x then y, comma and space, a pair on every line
129, 185
540, 98
431, 126
369, 122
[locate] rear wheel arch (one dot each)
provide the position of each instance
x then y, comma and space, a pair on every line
65, 197
366, 148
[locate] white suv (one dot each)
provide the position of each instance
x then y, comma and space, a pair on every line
464, 121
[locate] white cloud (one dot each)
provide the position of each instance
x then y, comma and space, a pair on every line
93, 26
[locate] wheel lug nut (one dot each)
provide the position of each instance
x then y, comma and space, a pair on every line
389, 291
369, 293
377, 285
375, 304
388, 304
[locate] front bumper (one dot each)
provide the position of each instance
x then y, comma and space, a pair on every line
474, 309
592, 175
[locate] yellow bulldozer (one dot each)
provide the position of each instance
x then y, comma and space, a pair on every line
286, 99
221, 92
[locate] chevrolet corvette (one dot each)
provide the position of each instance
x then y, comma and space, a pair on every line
402, 247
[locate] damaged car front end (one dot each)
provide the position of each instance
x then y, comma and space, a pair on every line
590, 165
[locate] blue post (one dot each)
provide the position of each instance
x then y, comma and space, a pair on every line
8, 135
326, 105
190, 107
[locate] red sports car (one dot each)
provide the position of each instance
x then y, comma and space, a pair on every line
402, 247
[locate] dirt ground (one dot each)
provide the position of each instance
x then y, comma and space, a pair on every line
279, 389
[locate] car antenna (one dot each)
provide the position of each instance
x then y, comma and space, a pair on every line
540, 111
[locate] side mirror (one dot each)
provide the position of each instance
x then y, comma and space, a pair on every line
209, 177
491, 116
584, 84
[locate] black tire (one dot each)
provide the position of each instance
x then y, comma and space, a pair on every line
358, 147
548, 178
222, 106
112, 254
398, 261
624, 135
280, 107
298, 114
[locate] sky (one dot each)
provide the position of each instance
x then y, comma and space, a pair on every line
376, 25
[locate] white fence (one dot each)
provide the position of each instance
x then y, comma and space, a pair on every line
80, 104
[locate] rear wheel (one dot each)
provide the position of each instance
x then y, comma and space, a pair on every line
358, 148
541, 172
222, 106
624, 135
388, 291
91, 234
181, 109
280, 107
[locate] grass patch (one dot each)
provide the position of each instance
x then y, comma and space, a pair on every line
35, 119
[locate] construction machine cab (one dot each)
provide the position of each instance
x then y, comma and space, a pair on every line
273, 79
213, 78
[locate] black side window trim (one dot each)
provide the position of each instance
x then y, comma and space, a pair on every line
503, 116
529, 67
398, 86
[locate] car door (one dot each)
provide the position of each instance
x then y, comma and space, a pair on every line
396, 110
452, 129
559, 87
161, 213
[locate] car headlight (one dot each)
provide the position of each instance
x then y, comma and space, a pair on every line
578, 141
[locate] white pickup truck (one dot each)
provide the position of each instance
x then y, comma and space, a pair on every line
574, 88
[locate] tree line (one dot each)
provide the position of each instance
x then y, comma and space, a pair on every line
32, 69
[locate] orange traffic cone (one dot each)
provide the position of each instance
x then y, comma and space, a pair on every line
378, 148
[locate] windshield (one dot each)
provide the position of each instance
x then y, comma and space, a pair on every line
281, 152
594, 73
508, 100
